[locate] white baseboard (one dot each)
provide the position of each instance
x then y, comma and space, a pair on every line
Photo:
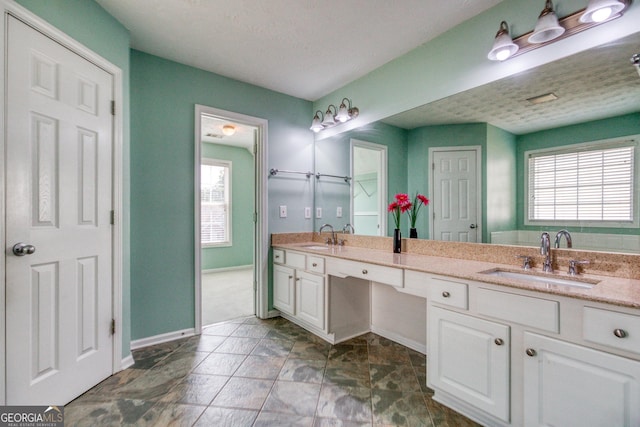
393, 336
272, 313
159, 339
223, 269
127, 362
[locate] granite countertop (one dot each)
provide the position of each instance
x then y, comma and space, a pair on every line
623, 292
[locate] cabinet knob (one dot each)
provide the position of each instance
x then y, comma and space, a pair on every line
530, 352
365, 272
499, 341
446, 294
315, 264
290, 277
620, 333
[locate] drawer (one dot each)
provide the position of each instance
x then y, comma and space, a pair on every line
296, 260
612, 328
529, 311
315, 264
448, 292
376, 273
278, 256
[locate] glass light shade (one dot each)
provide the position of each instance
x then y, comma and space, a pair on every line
228, 130
601, 10
343, 113
316, 124
328, 119
503, 45
547, 29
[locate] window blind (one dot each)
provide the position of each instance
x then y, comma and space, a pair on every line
589, 185
214, 204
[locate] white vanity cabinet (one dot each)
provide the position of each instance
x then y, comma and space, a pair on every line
572, 385
299, 287
469, 360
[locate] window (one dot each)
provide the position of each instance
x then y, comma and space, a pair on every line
215, 202
586, 183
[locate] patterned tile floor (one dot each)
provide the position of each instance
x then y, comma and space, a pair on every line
252, 372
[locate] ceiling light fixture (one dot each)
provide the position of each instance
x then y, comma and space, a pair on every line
228, 130
334, 116
601, 10
549, 29
503, 46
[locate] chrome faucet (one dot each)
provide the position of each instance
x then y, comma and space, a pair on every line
346, 228
330, 240
545, 249
566, 235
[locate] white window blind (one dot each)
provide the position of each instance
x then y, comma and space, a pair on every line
586, 185
214, 202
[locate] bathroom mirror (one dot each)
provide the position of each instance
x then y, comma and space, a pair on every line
598, 98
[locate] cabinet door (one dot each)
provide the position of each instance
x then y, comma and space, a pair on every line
469, 359
570, 385
283, 289
310, 298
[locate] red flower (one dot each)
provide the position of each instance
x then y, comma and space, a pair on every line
423, 199
393, 206
405, 207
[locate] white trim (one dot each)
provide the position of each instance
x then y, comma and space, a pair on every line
224, 269
626, 141
127, 362
261, 246
480, 200
162, 338
21, 13
382, 182
394, 336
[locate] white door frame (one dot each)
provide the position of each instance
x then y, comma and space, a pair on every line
478, 150
261, 246
382, 181
19, 12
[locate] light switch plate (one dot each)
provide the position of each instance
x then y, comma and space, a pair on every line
318, 213
339, 212
307, 213
283, 211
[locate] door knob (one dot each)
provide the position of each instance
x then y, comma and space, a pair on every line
22, 249
472, 226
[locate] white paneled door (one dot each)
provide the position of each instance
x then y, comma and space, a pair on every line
455, 195
58, 202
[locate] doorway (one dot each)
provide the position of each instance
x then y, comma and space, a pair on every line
369, 189
228, 243
456, 185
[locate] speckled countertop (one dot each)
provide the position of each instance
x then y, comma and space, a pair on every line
610, 288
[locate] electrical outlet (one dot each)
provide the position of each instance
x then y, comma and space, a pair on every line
307, 213
318, 213
283, 211
339, 212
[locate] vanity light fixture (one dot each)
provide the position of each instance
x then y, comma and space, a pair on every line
334, 116
601, 10
547, 27
503, 46
635, 60
228, 130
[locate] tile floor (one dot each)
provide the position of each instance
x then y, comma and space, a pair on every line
266, 373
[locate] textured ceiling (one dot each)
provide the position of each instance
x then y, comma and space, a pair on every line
303, 48
594, 84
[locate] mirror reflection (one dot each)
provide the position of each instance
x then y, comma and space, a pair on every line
593, 96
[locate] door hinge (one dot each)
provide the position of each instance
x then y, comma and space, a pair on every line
112, 218
434, 215
255, 217
433, 166
113, 108
113, 326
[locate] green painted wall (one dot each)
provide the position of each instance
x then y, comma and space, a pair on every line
92, 26
242, 208
591, 131
333, 157
163, 95
500, 187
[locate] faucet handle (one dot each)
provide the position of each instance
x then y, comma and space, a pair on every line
573, 266
526, 261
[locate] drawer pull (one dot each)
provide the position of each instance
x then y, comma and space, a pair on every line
620, 333
277, 256
315, 264
446, 294
297, 279
499, 341
365, 272
531, 352
290, 277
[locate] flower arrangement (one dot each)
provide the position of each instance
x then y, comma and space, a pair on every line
400, 205
418, 201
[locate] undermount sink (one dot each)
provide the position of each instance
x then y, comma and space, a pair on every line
316, 247
543, 279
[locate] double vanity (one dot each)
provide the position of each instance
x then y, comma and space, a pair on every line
505, 346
